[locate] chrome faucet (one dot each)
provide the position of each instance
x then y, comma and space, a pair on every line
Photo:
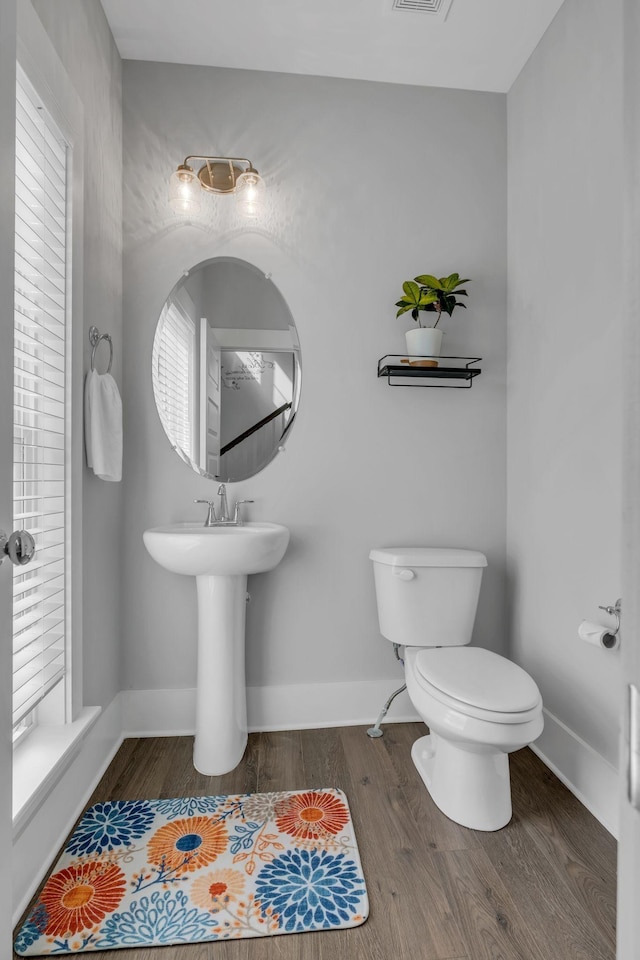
224, 509
223, 519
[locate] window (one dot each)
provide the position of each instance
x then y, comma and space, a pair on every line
41, 412
173, 363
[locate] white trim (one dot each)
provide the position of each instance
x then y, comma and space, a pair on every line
628, 916
591, 778
36, 848
40, 760
312, 705
7, 244
170, 713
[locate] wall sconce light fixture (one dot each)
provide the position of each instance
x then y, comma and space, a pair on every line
217, 175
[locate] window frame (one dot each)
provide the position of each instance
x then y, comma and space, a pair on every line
55, 707
37, 62
42, 758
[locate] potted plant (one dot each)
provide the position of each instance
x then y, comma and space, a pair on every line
427, 294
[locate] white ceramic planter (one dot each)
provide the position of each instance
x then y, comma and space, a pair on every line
424, 342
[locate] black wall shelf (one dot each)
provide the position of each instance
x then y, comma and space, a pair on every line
405, 369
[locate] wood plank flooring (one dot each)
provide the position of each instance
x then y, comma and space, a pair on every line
543, 888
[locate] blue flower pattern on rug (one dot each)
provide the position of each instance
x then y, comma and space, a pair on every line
32, 930
106, 826
186, 806
164, 917
310, 889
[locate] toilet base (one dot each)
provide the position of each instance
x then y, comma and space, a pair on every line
469, 782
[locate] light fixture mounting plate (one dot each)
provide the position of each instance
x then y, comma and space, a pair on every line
219, 176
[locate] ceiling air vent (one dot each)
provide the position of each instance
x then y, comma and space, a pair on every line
437, 8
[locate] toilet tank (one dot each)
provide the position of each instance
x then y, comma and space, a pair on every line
427, 596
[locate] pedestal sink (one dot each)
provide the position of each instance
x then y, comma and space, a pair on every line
220, 558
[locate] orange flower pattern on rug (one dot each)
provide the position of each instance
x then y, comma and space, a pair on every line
311, 815
80, 896
216, 890
186, 845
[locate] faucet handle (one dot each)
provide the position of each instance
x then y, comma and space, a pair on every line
211, 513
236, 513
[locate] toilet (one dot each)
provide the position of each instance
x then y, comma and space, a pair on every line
478, 706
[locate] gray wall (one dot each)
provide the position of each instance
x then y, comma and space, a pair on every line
243, 299
565, 349
79, 31
369, 185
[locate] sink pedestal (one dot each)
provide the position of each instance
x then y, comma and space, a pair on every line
220, 558
221, 700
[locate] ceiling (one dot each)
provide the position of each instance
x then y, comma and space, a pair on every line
482, 45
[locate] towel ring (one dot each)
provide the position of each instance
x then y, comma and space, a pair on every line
94, 338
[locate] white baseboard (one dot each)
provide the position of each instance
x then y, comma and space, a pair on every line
170, 713
591, 778
35, 849
147, 713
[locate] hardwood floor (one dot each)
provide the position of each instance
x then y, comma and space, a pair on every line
542, 888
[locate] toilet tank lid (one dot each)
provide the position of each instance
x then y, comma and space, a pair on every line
428, 557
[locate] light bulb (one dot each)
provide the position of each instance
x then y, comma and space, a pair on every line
250, 191
184, 190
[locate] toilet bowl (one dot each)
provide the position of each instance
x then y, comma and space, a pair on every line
478, 706
463, 761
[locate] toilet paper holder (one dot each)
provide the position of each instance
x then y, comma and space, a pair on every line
614, 612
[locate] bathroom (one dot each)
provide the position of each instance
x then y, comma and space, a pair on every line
523, 193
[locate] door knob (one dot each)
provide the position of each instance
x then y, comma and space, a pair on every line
19, 546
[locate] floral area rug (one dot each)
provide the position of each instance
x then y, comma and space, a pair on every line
156, 872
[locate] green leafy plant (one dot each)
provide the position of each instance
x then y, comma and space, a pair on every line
431, 295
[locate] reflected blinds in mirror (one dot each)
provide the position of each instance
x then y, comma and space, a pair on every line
41, 338
227, 394
174, 363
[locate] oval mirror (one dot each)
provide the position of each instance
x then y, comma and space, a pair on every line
226, 369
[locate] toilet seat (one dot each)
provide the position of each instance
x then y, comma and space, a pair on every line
476, 683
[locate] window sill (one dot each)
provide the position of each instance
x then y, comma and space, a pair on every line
40, 760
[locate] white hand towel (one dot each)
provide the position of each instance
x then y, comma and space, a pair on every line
103, 425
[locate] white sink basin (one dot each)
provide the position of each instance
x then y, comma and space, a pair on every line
194, 550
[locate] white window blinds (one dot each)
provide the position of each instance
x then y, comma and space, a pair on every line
173, 364
41, 339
